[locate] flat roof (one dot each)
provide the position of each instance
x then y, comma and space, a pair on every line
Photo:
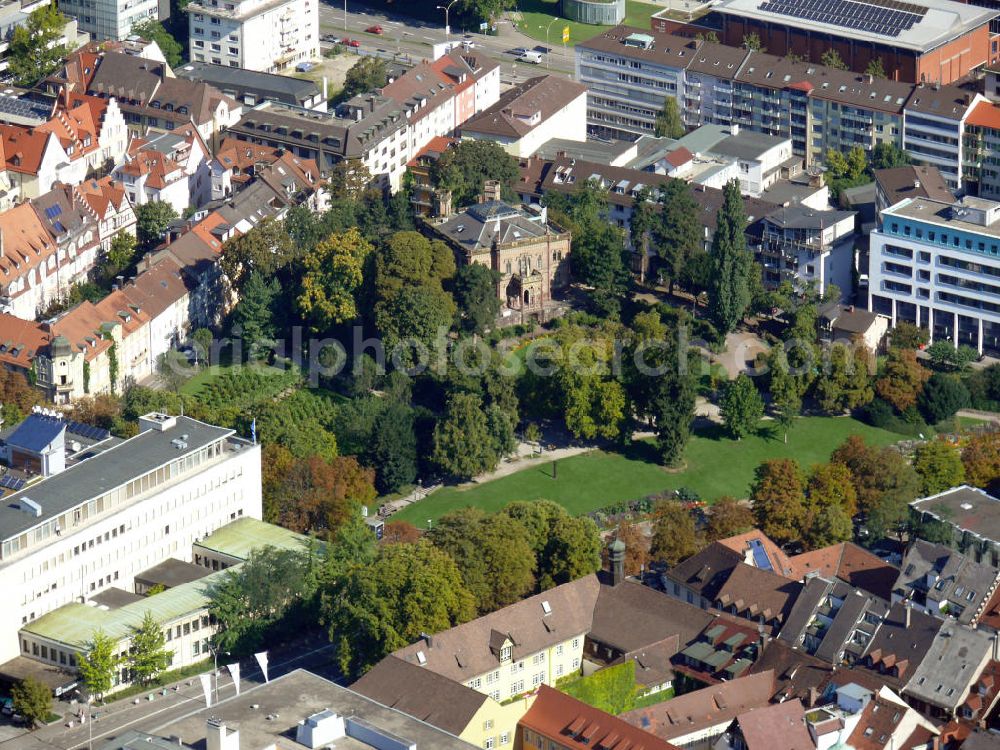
238, 538
171, 572
74, 624
938, 21
966, 507
940, 213
104, 472
268, 715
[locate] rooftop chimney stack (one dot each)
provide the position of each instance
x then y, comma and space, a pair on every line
219, 737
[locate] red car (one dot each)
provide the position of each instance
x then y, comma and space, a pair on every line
374, 29
350, 42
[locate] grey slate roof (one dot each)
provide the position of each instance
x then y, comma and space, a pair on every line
477, 226
953, 662
945, 576
803, 217
237, 82
105, 471
900, 646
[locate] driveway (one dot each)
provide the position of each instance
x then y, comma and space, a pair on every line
741, 350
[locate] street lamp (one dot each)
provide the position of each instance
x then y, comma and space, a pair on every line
547, 48
215, 670
446, 9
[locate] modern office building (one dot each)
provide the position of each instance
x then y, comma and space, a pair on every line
110, 19
254, 34
119, 508
937, 264
919, 40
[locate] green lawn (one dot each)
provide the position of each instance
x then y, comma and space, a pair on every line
715, 466
537, 14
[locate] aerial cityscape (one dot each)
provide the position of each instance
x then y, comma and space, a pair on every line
500, 374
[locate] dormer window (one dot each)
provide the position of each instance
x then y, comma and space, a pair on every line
505, 653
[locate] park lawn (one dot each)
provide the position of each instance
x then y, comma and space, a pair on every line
715, 466
537, 14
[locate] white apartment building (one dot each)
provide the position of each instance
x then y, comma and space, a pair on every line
934, 127
937, 265
109, 19
131, 505
265, 35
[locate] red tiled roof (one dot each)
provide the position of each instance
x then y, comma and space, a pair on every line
25, 242
779, 725
985, 115
99, 194
22, 336
851, 564
574, 724
23, 148
679, 156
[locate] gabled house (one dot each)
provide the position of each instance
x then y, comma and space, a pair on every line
73, 224
34, 350
758, 595
833, 621
943, 680
767, 727
900, 644
184, 147
35, 160
109, 202
151, 175
851, 564
34, 270
945, 583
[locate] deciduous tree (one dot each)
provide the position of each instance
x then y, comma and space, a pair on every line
943, 396
393, 448
675, 537
981, 458
34, 50
367, 74
678, 233
152, 219
98, 664
492, 552
939, 465
464, 168
153, 30
375, 609
903, 379
668, 120
148, 657
778, 499
741, 407
331, 275
843, 383
728, 517
32, 700
636, 547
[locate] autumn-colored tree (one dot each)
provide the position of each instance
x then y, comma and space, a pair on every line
675, 537
728, 517
903, 380
102, 410
778, 499
981, 458
636, 547
884, 484
332, 274
16, 396
316, 494
832, 484
400, 532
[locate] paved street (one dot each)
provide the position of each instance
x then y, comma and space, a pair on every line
414, 38
170, 703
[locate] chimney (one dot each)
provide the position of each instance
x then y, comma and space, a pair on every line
906, 608
616, 557
219, 737
428, 639
916, 184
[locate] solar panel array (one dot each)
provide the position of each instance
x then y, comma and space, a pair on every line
887, 19
24, 108
87, 431
760, 558
8, 482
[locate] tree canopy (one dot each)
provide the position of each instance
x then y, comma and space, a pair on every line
34, 50
464, 168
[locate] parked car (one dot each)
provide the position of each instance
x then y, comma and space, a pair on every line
376, 29
304, 67
7, 706
530, 56
331, 38
518, 51
348, 42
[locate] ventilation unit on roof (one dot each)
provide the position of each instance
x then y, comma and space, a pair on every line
546, 608
421, 658
30, 506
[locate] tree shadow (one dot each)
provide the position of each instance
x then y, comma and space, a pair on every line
770, 432
640, 450
711, 431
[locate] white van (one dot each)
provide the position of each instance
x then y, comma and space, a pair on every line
530, 56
